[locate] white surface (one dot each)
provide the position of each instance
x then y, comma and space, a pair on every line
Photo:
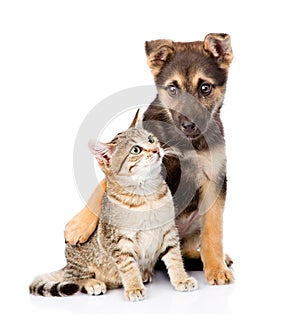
60, 58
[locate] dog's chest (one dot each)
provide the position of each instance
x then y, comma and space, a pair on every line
201, 166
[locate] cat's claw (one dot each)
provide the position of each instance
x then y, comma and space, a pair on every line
187, 285
146, 277
136, 294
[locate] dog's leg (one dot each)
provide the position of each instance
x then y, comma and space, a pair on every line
211, 248
190, 246
190, 249
82, 225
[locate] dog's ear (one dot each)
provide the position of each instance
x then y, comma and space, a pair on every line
219, 46
158, 53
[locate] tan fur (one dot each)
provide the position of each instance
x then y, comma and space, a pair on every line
136, 227
215, 269
190, 246
176, 77
202, 76
82, 225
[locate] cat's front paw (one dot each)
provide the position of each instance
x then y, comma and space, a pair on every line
188, 284
94, 287
135, 294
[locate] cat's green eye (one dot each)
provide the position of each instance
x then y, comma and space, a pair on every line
135, 150
151, 139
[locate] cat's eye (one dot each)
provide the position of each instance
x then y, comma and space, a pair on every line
151, 139
135, 150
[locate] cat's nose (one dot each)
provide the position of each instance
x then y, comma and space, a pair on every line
156, 150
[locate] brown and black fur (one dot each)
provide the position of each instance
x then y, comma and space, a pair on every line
188, 118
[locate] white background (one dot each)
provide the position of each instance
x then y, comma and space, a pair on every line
58, 59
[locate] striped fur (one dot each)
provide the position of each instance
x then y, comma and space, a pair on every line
136, 227
53, 284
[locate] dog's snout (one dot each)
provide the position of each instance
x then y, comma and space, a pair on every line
188, 126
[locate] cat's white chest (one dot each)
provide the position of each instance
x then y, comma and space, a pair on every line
150, 244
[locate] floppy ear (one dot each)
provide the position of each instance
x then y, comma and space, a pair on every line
135, 119
219, 46
101, 151
158, 53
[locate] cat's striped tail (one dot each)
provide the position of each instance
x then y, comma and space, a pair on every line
53, 285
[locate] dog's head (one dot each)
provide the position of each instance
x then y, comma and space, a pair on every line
191, 79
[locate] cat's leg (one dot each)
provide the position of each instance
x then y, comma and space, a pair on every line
82, 225
92, 286
130, 276
174, 263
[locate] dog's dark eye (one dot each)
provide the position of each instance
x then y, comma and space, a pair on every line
172, 90
206, 88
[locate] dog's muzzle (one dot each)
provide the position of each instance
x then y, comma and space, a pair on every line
188, 128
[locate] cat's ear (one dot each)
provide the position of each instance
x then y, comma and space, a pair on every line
135, 119
101, 151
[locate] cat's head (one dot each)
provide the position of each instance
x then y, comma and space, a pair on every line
133, 153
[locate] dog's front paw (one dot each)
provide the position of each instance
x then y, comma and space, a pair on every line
188, 284
79, 229
136, 294
220, 275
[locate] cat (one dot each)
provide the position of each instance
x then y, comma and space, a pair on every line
135, 230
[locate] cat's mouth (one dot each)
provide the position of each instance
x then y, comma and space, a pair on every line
160, 153
154, 159
157, 156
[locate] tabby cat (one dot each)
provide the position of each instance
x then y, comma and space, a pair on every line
136, 227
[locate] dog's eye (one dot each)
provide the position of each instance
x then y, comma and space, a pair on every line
172, 90
206, 88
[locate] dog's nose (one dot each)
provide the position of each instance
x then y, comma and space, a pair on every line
188, 126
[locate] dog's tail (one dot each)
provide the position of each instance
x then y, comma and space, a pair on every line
53, 285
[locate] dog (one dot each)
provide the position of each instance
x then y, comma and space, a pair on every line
191, 79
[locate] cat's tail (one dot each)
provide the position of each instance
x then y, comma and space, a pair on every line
53, 285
